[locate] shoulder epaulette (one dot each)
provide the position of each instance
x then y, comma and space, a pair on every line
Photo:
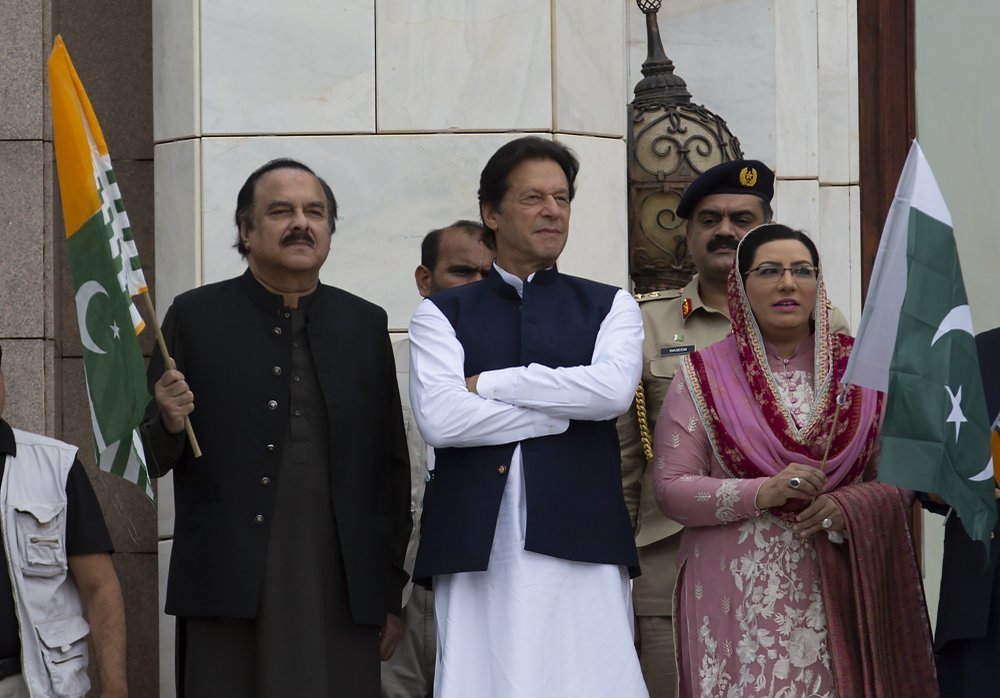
658, 295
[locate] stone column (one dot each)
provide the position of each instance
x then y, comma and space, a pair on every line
111, 46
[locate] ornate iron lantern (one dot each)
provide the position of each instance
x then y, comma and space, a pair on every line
671, 141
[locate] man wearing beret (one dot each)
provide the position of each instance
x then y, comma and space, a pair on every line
720, 207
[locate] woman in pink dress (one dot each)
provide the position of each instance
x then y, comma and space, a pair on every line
789, 543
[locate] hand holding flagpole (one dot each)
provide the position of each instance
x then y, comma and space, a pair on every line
162, 344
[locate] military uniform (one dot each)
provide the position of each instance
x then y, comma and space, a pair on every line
676, 323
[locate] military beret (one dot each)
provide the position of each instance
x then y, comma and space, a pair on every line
733, 177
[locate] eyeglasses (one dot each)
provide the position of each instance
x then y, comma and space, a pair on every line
772, 272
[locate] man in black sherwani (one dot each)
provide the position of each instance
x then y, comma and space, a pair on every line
291, 528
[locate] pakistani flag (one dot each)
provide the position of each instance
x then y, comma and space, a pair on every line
916, 343
106, 274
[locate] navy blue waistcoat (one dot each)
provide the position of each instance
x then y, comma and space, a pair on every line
575, 506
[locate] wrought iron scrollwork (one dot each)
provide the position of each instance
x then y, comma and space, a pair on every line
671, 142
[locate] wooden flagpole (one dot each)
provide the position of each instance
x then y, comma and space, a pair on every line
841, 396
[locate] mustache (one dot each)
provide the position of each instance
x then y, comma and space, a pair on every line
297, 236
722, 243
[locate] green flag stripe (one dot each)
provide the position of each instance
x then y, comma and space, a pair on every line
111, 353
930, 441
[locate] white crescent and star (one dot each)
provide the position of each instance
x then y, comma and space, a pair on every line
84, 295
959, 319
986, 474
956, 416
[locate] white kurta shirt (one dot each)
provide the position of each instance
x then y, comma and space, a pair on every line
531, 624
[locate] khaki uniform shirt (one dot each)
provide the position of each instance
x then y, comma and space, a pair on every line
669, 335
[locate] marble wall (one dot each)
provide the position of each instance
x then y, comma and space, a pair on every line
399, 104
409, 113
429, 94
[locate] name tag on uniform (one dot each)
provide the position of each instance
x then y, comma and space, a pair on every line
677, 350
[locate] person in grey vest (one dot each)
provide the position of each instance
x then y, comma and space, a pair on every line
59, 585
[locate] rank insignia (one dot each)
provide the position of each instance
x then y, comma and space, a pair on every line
686, 308
748, 176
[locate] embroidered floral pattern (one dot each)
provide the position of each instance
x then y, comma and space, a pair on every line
726, 498
713, 678
777, 609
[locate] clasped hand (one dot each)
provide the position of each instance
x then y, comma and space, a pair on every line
799, 481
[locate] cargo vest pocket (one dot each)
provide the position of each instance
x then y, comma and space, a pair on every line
40, 529
64, 652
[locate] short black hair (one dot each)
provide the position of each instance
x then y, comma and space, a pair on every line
245, 199
430, 248
769, 232
768, 211
493, 182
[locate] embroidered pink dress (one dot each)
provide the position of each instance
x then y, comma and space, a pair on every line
758, 611
749, 613
748, 595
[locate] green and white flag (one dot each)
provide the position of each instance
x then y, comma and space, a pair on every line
917, 344
106, 274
